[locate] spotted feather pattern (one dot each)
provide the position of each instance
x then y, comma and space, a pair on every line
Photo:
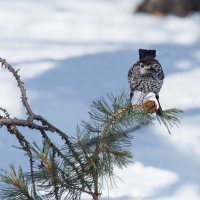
147, 81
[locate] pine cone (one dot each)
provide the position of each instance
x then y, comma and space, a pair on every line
150, 106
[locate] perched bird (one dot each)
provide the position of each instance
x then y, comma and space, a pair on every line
146, 75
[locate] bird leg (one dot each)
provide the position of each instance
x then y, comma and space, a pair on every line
129, 103
159, 110
131, 96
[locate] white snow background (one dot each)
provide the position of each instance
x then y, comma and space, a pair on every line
71, 52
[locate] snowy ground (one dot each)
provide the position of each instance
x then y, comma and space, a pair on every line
71, 52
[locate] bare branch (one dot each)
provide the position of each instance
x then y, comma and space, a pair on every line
21, 87
5, 112
26, 147
23, 123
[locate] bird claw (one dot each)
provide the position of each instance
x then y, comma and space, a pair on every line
159, 111
129, 106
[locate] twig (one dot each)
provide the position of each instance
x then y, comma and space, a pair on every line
26, 147
21, 87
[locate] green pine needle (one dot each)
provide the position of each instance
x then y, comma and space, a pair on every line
14, 185
170, 117
102, 143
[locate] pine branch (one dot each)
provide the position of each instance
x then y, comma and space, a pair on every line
105, 141
78, 164
107, 137
15, 186
25, 147
31, 115
13, 123
24, 144
66, 160
170, 117
55, 174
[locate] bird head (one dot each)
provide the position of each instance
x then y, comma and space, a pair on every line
148, 66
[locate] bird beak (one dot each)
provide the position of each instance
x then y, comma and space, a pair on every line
150, 68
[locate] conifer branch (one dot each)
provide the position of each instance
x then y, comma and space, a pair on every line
25, 147
31, 115
65, 159
15, 186
170, 117
51, 173
80, 163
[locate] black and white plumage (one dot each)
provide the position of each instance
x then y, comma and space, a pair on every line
146, 75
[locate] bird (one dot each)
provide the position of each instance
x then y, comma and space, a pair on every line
146, 76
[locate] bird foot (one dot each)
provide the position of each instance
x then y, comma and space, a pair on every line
129, 106
159, 111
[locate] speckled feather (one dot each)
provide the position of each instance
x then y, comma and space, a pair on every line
146, 76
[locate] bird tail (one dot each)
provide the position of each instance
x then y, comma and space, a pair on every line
144, 53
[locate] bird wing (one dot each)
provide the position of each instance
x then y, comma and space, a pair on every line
161, 75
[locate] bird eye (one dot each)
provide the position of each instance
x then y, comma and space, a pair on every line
156, 66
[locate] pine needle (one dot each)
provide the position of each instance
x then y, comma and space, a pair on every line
170, 117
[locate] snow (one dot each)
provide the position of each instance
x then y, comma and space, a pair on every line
143, 177
71, 52
188, 191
